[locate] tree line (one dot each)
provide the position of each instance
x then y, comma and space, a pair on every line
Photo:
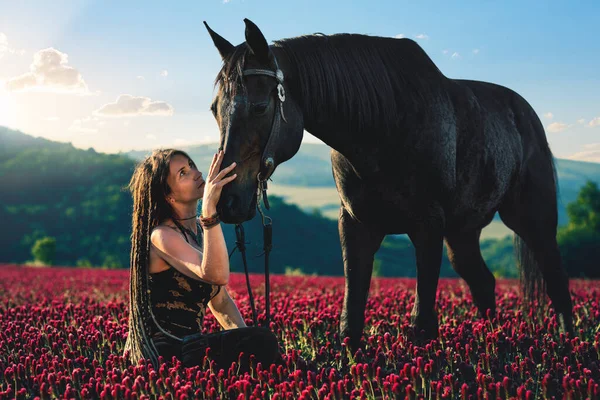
65, 206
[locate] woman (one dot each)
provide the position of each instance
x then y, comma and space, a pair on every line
179, 265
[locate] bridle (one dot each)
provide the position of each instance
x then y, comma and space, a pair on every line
267, 165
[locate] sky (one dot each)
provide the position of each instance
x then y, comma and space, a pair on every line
119, 76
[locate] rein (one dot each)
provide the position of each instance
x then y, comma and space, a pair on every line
266, 169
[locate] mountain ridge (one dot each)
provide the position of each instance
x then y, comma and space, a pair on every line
311, 168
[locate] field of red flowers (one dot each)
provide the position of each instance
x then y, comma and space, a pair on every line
62, 333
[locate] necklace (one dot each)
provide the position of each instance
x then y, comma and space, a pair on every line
185, 219
191, 232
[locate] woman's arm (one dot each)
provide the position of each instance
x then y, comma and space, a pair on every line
211, 267
225, 311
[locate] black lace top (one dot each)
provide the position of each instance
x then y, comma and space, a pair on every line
179, 302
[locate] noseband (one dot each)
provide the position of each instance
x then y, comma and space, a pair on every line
267, 165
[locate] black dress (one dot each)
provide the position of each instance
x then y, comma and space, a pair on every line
179, 306
179, 302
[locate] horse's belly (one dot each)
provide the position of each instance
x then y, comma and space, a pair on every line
392, 212
470, 222
391, 202
396, 211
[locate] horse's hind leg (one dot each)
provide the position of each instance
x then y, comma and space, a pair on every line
465, 255
359, 245
532, 215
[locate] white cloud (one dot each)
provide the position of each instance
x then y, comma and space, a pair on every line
591, 153
475, 51
556, 127
150, 136
141, 78
21, 83
594, 122
549, 115
52, 119
164, 73
445, 51
181, 142
5, 48
581, 121
88, 125
131, 106
400, 36
455, 55
49, 72
422, 36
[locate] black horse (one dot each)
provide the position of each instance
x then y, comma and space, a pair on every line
413, 152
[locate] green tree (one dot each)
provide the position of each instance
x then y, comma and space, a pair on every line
580, 252
111, 261
84, 263
44, 250
585, 211
579, 241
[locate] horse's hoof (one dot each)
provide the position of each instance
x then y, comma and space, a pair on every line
424, 329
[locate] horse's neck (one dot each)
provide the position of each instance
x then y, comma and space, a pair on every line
334, 129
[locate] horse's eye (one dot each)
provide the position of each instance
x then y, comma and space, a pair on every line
259, 109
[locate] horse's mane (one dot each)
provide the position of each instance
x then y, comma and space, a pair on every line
363, 80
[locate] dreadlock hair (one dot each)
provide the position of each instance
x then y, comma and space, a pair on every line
149, 189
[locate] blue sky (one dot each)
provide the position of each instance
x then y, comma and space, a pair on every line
158, 56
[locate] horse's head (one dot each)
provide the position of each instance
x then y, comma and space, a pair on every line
261, 125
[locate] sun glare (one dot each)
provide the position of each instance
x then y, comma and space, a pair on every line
7, 107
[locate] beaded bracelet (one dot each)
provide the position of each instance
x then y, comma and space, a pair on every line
208, 222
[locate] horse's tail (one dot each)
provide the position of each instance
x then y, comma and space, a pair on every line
533, 285
532, 281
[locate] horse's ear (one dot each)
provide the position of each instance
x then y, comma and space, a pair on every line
225, 48
256, 41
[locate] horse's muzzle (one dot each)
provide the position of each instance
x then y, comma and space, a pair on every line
233, 211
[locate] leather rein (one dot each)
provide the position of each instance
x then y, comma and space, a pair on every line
266, 169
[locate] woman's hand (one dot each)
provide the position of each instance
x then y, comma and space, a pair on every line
214, 184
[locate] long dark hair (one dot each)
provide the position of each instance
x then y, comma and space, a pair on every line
149, 189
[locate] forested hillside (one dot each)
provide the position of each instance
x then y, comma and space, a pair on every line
78, 199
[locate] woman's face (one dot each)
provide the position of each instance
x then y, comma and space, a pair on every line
185, 180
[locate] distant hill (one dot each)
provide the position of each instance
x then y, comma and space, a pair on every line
310, 167
78, 197
309, 171
54, 189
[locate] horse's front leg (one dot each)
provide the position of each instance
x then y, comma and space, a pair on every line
428, 242
359, 245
